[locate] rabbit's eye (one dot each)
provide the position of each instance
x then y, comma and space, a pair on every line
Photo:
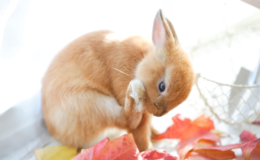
162, 86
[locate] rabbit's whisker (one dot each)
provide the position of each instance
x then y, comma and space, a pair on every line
121, 72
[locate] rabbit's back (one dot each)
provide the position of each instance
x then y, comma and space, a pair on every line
92, 61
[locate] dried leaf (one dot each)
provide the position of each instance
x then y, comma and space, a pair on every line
123, 148
220, 148
256, 122
183, 128
196, 156
55, 153
92, 152
255, 154
216, 152
190, 133
179, 127
252, 147
187, 145
247, 136
210, 155
156, 155
198, 127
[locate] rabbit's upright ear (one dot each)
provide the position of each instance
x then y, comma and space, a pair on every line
163, 32
159, 33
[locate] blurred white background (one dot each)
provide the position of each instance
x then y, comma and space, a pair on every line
219, 35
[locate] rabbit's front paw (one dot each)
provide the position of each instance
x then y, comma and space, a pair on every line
137, 93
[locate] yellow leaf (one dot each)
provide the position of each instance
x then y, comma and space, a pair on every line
56, 153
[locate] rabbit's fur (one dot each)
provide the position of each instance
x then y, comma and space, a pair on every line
99, 82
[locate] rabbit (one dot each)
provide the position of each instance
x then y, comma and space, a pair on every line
102, 81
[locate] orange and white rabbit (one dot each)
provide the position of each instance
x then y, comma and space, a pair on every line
84, 93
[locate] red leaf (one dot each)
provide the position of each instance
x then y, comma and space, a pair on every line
251, 148
197, 156
179, 127
123, 148
256, 122
198, 127
92, 152
183, 127
210, 155
220, 148
156, 155
247, 136
216, 154
213, 152
187, 145
255, 154
190, 133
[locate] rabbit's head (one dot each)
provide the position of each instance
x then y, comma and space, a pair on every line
166, 73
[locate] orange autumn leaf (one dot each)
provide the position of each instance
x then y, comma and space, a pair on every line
217, 154
210, 155
186, 145
204, 143
219, 148
214, 152
183, 127
196, 156
190, 133
198, 127
179, 127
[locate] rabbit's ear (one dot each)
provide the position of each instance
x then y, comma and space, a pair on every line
173, 32
159, 33
163, 32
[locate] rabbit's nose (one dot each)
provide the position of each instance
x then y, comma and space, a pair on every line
159, 114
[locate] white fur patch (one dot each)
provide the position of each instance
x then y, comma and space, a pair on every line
95, 103
167, 79
111, 108
116, 37
110, 133
92, 106
109, 105
137, 93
